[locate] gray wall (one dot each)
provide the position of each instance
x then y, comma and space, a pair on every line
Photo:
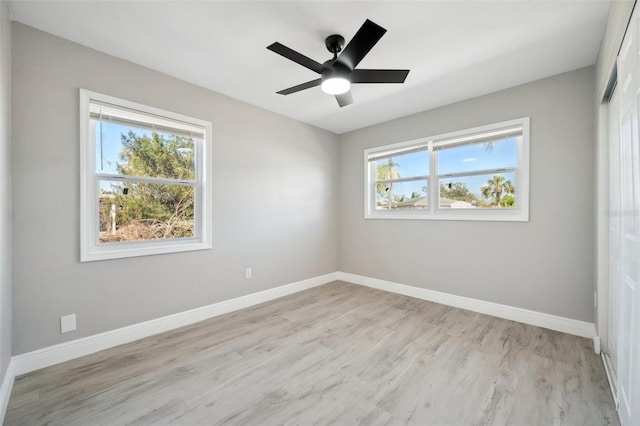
545, 264
274, 185
5, 189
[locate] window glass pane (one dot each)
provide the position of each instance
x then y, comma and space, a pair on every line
481, 191
128, 150
132, 211
402, 166
402, 195
495, 154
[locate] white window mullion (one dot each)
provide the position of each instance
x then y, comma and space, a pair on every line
372, 188
142, 179
434, 189
94, 222
479, 172
400, 180
200, 187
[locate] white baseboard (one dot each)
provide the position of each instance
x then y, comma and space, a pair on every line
66, 351
552, 322
5, 389
611, 379
596, 342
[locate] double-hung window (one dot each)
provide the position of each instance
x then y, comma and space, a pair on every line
474, 174
144, 179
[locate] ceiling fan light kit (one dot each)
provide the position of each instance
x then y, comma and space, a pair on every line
337, 74
335, 85
336, 79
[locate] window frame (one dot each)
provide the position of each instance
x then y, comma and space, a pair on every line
90, 247
434, 211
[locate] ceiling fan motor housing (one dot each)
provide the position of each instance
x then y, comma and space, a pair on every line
335, 69
334, 44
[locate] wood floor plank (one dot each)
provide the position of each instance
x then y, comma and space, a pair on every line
334, 354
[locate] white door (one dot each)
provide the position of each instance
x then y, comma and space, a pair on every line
628, 259
615, 236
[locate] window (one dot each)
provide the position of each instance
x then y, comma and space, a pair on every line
144, 180
475, 174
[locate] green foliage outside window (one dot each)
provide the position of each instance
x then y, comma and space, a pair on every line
494, 189
145, 211
457, 191
384, 191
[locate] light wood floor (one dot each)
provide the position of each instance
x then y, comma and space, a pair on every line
336, 354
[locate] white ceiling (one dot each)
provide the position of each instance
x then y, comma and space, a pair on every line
455, 49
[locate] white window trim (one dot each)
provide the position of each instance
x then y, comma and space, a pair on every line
90, 248
519, 214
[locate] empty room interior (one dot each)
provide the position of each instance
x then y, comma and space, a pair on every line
319, 212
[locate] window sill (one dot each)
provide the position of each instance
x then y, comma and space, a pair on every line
133, 249
487, 216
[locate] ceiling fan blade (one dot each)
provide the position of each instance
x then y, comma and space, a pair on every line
299, 87
296, 57
379, 76
344, 99
361, 43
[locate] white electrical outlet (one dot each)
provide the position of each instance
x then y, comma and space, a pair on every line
67, 323
247, 273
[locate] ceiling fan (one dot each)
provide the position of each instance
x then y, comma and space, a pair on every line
337, 74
